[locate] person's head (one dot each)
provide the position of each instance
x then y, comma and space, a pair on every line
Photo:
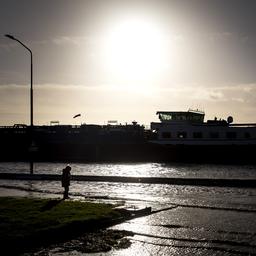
68, 168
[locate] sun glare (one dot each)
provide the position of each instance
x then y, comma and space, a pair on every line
135, 50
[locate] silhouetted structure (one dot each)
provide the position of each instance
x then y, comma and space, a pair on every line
179, 136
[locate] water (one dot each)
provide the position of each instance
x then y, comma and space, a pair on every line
137, 169
192, 220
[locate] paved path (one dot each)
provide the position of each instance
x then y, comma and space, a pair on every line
249, 183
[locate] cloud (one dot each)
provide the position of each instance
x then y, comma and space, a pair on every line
238, 99
100, 103
7, 46
61, 40
216, 36
237, 92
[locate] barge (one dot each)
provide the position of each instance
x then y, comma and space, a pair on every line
181, 136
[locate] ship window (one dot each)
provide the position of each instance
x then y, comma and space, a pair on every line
197, 135
19, 132
231, 135
182, 135
165, 117
247, 135
214, 135
166, 135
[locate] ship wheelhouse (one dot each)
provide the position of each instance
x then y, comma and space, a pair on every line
181, 116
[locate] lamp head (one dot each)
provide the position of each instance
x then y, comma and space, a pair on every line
10, 36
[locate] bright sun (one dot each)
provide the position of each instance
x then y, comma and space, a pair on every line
135, 50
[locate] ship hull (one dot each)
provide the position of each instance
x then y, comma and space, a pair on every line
229, 154
134, 152
101, 144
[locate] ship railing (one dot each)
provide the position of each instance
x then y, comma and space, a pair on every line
12, 127
243, 125
5, 127
225, 125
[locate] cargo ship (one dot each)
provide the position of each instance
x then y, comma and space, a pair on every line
186, 137
181, 136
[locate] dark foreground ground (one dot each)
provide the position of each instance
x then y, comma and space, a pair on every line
28, 223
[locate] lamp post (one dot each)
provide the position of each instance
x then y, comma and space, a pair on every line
31, 76
31, 91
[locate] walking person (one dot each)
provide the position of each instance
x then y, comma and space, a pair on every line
65, 181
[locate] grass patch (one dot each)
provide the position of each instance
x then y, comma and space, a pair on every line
26, 221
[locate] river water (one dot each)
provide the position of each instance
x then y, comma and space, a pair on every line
189, 220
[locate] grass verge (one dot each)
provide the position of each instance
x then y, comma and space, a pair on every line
26, 223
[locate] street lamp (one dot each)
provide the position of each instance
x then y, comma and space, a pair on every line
31, 77
31, 99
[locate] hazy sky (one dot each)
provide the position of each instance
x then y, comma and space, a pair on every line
125, 60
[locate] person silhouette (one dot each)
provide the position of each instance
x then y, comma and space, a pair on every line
65, 181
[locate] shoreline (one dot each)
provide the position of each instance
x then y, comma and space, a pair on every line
213, 182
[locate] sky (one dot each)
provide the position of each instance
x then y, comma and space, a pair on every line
126, 60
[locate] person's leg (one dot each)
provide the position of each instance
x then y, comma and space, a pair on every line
65, 196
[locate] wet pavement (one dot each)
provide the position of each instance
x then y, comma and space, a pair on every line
186, 220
